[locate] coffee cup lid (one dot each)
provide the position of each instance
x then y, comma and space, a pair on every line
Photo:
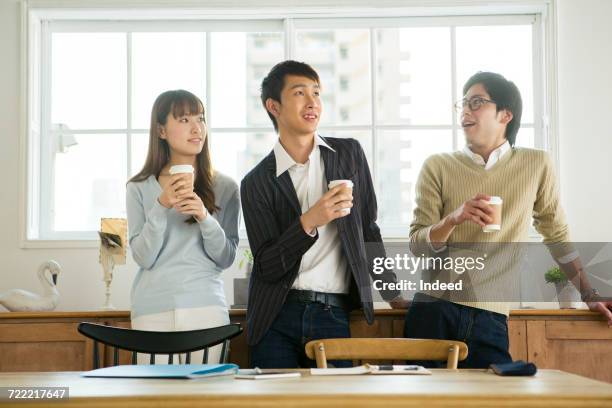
495, 200
334, 183
181, 168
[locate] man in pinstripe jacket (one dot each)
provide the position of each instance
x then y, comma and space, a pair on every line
311, 261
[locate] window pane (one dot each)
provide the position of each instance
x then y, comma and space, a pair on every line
503, 49
400, 157
235, 154
161, 62
526, 138
414, 76
342, 60
90, 182
89, 80
240, 61
139, 149
363, 137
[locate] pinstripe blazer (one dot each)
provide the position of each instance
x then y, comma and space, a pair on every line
272, 216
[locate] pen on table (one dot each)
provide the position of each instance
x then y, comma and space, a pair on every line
391, 368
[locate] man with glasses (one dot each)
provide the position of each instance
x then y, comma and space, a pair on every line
452, 195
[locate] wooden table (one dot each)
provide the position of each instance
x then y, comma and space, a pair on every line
473, 388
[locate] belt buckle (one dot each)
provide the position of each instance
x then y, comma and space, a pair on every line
323, 298
306, 296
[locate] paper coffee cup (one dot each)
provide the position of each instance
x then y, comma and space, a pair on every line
183, 168
335, 183
496, 205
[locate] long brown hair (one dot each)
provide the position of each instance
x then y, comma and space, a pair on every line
178, 102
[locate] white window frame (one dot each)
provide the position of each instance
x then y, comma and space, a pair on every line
39, 21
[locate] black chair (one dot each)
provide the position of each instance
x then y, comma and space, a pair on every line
152, 342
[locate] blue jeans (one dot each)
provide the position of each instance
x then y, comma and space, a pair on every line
484, 332
297, 324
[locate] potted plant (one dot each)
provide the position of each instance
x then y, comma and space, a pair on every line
241, 285
565, 291
247, 258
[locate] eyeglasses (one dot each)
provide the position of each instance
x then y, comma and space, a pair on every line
474, 103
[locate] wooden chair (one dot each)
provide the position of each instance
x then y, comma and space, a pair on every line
386, 349
152, 342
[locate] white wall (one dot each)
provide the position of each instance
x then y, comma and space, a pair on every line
585, 106
585, 111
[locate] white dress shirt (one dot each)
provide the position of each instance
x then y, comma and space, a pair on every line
493, 157
323, 267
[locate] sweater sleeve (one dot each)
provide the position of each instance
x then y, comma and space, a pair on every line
548, 216
220, 238
428, 209
146, 232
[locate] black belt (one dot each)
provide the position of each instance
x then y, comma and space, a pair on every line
310, 296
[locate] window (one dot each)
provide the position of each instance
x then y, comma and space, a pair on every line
99, 81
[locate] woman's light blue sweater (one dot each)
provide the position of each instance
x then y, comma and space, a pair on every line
180, 263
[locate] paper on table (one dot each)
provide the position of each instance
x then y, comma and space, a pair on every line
257, 374
373, 369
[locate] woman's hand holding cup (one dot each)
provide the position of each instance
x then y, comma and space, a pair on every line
179, 187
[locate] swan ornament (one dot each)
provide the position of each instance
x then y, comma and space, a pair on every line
19, 300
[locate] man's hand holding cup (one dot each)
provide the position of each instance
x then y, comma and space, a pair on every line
336, 203
476, 210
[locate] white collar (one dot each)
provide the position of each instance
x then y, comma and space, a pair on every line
493, 157
284, 161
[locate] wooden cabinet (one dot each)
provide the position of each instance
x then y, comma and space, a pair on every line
576, 341
50, 341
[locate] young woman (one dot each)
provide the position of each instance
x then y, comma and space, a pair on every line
183, 228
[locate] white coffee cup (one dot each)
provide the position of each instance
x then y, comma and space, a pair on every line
335, 183
496, 205
183, 168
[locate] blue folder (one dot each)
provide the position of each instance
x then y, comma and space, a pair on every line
164, 371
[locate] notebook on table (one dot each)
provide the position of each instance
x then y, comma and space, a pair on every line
164, 371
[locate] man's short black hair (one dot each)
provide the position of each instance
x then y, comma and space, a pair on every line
505, 94
272, 85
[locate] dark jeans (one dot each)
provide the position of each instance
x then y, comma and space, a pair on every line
484, 332
297, 324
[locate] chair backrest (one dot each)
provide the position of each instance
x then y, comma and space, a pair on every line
386, 349
153, 342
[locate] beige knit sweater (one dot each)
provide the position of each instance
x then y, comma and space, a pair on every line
524, 179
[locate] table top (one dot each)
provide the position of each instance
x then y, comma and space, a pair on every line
456, 387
